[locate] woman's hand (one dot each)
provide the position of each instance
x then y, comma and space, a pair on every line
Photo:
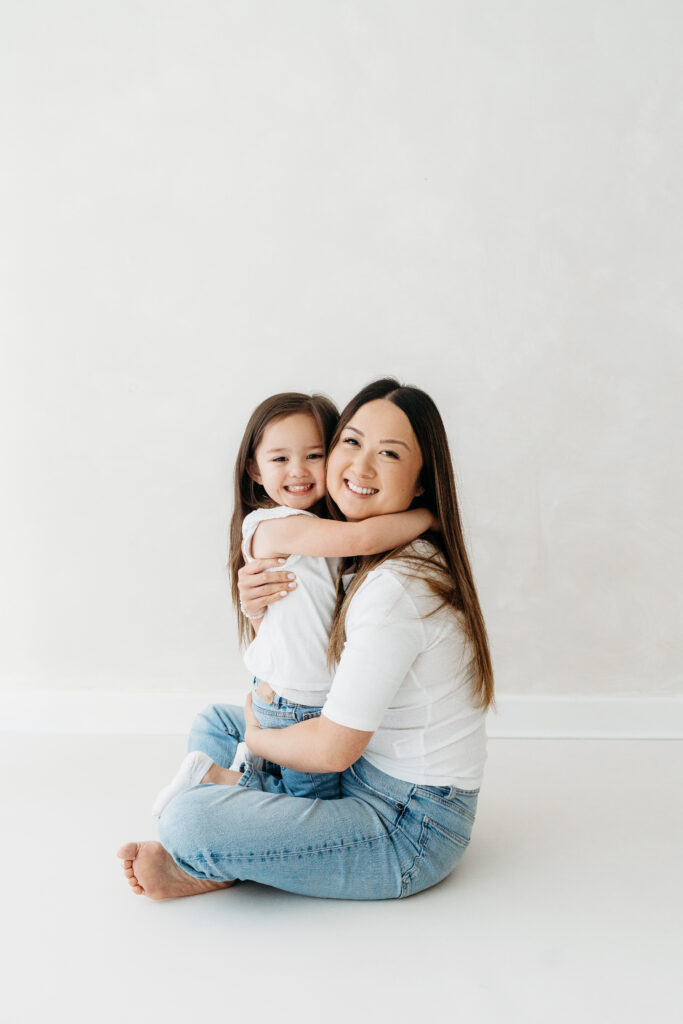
259, 588
249, 716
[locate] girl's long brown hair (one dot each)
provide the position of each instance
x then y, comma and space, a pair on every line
250, 495
448, 571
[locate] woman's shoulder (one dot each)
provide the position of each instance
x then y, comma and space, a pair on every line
413, 566
406, 576
413, 580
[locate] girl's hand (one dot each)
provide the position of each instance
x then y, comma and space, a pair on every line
259, 588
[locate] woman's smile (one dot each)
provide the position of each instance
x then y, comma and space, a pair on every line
358, 490
374, 467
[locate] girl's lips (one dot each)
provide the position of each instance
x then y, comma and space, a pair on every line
358, 491
298, 488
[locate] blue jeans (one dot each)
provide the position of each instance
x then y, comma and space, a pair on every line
384, 839
277, 715
219, 728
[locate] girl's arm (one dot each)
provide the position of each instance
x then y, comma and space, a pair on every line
327, 538
317, 745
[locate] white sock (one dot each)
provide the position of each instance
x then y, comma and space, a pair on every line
191, 772
244, 756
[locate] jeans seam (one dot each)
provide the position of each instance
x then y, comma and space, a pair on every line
406, 878
447, 833
288, 855
377, 792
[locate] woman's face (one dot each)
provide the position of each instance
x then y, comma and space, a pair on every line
374, 468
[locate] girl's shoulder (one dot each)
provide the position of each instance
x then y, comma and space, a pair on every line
260, 515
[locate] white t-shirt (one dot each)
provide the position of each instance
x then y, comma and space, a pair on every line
407, 677
290, 649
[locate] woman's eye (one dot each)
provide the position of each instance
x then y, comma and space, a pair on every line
350, 440
393, 455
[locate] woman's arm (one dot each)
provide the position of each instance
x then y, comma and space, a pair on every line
385, 634
317, 745
259, 588
328, 538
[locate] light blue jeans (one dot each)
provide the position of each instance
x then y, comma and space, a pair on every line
385, 838
277, 715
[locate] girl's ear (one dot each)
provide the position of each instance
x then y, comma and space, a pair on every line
252, 470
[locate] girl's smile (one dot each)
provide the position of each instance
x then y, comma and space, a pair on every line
289, 462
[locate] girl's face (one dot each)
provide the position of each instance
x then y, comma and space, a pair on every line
290, 462
375, 466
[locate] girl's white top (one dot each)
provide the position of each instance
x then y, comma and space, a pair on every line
407, 676
290, 649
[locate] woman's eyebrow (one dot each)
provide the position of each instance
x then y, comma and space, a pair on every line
387, 440
392, 440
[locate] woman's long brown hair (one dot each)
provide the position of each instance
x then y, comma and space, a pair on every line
249, 494
447, 572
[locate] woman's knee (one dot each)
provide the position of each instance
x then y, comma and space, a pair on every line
180, 824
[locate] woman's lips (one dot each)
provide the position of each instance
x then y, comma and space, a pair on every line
358, 491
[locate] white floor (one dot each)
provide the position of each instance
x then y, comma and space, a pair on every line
567, 906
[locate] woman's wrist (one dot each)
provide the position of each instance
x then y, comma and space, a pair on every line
254, 616
252, 735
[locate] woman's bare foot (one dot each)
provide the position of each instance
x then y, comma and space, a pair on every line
151, 871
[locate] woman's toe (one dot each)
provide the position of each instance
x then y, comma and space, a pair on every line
128, 852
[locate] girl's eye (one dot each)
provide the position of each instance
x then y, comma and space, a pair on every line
315, 455
278, 458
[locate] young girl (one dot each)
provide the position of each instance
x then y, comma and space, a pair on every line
280, 494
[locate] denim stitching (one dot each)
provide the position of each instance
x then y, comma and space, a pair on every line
301, 853
393, 802
269, 713
449, 802
422, 842
457, 808
460, 841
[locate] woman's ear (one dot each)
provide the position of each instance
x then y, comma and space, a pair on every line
419, 489
252, 470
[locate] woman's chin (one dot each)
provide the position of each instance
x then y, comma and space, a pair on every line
354, 509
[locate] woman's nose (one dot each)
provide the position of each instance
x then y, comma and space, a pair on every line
363, 464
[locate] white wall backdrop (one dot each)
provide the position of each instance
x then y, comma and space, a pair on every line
205, 202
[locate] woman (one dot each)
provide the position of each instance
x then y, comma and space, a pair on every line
404, 720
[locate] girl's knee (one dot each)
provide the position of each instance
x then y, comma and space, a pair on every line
207, 719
